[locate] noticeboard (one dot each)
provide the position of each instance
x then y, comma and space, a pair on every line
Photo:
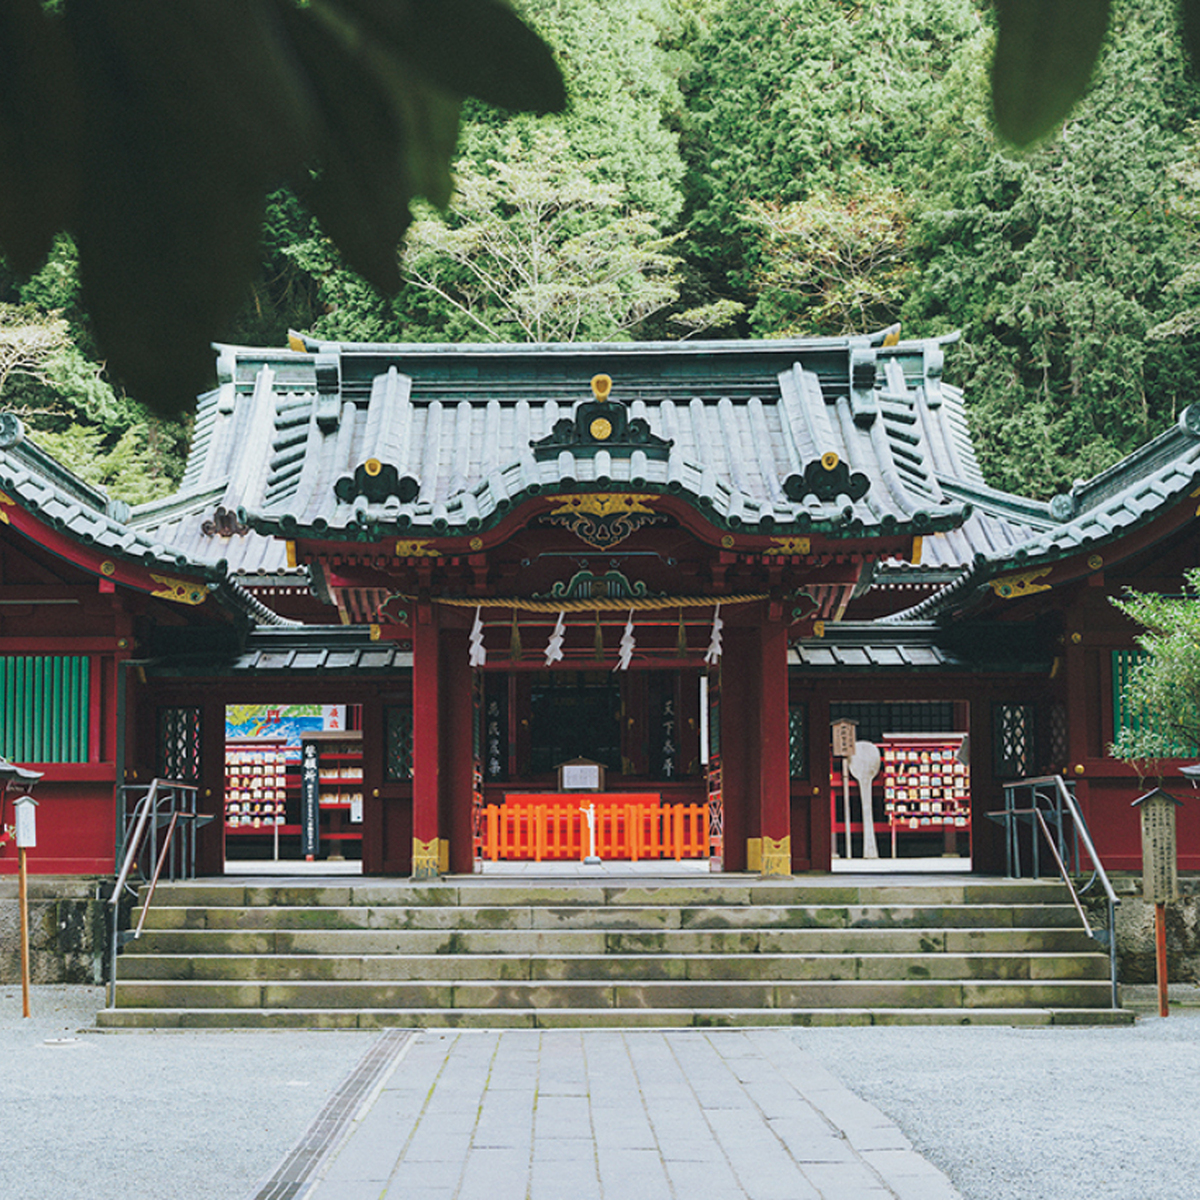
1160, 878
845, 733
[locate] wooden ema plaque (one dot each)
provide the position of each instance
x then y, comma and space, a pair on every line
924, 783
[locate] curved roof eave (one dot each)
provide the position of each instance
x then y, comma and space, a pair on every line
375, 522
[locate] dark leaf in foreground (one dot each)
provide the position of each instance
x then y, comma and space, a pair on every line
1045, 53
389, 134
1189, 14
168, 231
474, 48
170, 121
37, 114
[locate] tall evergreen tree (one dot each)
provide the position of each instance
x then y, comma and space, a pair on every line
1058, 264
617, 133
791, 97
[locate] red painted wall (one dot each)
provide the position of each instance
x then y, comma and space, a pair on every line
74, 823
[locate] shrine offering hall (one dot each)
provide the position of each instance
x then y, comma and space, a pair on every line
418, 610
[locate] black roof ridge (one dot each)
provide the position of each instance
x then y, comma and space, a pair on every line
688, 347
1091, 493
998, 503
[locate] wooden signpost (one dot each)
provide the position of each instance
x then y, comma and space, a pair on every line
1160, 876
25, 830
24, 808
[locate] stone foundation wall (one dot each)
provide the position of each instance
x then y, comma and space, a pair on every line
68, 930
69, 923
1135, 932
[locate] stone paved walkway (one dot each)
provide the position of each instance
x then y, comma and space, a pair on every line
612, 1115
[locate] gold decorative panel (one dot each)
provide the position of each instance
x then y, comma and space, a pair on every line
790, 545
429, 858
603, 519
182, 591
414, 548
776, 856
1009, 587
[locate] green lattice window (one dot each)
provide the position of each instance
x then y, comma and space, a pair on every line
398, 737
1126, 715
798, 741
44, 708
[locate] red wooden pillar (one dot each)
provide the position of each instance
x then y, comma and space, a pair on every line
1088, 688
820, 771
427, 857
754, 749
739, 749
774, 777
210, 841
374, 751
457, 710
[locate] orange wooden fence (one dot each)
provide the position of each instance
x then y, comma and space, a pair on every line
628, 831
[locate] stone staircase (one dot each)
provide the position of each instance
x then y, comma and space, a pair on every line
729, 951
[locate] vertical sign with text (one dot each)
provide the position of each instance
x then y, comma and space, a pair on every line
310, 801
1160, 876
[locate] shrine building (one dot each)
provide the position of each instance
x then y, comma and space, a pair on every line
413, 608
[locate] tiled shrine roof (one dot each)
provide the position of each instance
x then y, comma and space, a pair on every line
844, 436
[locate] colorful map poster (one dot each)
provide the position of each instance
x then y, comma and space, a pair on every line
286, 721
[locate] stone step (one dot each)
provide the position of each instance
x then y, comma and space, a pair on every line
724, 967
633, 917
478, 892
358, 942
576, 1018
401, 996
720, 951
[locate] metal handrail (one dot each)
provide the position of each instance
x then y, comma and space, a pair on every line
146, 817
1082, 831
1081, 834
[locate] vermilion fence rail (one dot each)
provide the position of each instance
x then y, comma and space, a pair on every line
558, 830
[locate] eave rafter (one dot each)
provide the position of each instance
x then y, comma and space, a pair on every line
160, 579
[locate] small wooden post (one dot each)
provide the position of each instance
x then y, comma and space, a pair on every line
1160, 956
24, 919
1160, 877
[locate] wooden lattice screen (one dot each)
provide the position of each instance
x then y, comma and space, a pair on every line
44, 708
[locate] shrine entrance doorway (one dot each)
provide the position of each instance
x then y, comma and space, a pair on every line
638, 733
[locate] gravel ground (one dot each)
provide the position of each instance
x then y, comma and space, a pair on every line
167, 1116
1008, 1114
1037, 1114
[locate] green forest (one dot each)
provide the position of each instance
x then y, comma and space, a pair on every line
752, 168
